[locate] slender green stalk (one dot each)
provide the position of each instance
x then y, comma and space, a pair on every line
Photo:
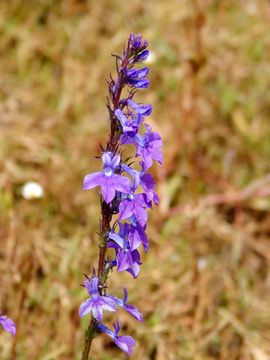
89, 336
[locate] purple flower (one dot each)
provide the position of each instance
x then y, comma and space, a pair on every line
136, 78
136, 175
129, 127
126, 259
142, 109
137, 43
134, 204
8, 324
142, 56
131, 236
97, 303
145, 180
137, 235
129, 308
148, 184
137, 73
125, 343
138, 49
107, 179
148, 146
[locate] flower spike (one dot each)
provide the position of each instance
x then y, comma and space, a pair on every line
127, 192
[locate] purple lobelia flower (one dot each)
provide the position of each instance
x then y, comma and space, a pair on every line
129, 127
148, 146
137, 43
136, 78
127, 189
128, 307
141, 109
97, 303
144, 179
8, 325
137, 235
125, 343
107, 179
131, 235
142, 56
134, 204
148, 184
126, 258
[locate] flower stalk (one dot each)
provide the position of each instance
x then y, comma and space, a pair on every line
125, 192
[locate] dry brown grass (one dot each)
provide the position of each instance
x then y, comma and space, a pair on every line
204, 287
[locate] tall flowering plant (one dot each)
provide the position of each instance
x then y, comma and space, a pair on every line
127, 191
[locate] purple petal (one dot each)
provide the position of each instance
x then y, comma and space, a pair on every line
108, 303
137, 73
85, 308
107, 158
134, 312
91, 285
145, 110
141, 215
134, 173
121, 117
148, 182
141, 73
116, 327
125, 209
118, 239
123, 261
141, 56
97, 312
123, 229
8, 325
108, 192
134, 240
115, 161
141, 233
106, 330
125, 343
120, 183
140, 84
147, 159
92, 180
137, 236
134, 270
140, 108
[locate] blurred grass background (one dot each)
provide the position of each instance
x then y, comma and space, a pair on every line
204, 285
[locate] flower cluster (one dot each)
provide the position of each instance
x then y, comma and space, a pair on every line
7, 324
127, 188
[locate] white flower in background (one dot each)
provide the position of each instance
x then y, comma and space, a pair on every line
151, 58
202, 263
32, 190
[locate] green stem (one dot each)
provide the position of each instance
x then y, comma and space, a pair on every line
89, 336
